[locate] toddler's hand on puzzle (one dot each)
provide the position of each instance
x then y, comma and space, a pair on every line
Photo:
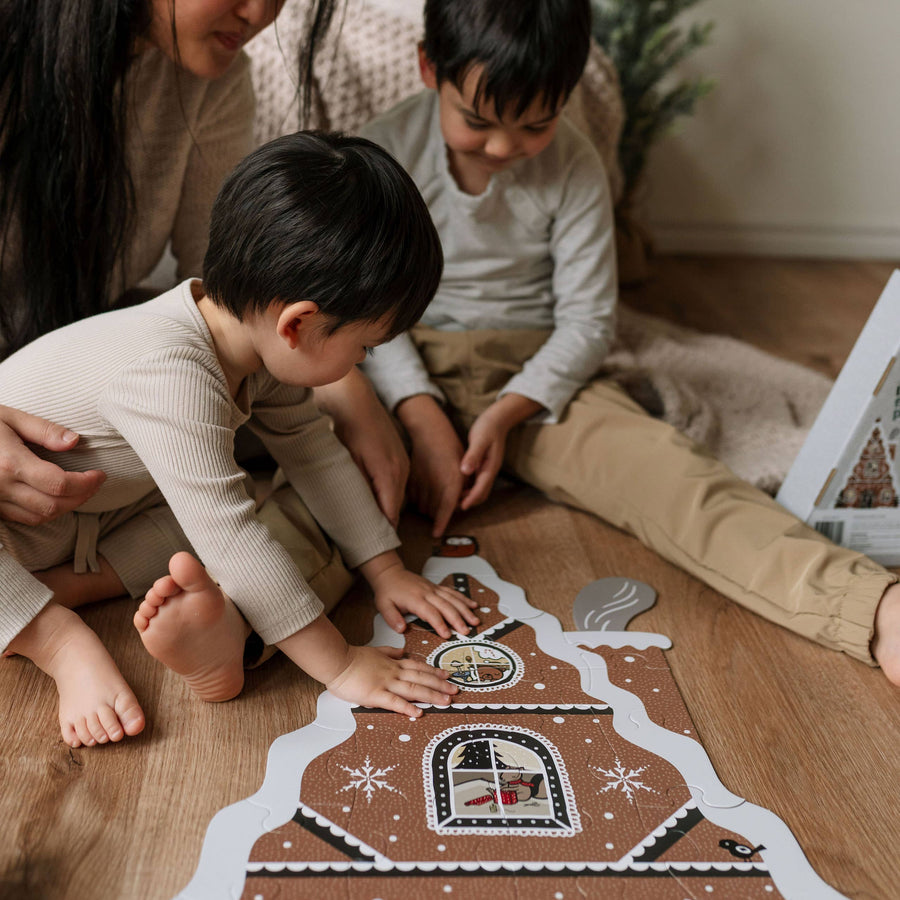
399, 591
380, 677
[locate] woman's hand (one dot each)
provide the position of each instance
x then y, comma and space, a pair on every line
364, 427
32, 490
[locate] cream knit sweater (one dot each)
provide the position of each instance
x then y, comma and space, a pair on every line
184, 135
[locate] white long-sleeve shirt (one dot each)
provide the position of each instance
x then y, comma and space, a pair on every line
536, 250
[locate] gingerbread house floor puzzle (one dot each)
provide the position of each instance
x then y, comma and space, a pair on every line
566, 767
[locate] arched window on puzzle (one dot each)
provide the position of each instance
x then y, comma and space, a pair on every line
497, 780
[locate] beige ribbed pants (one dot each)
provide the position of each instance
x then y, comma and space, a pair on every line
607, 456
138, 541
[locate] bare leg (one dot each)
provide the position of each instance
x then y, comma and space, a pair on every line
71, 590
95, 703
189, 625
886, 643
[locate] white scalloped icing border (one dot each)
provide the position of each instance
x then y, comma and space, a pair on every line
548, 707
323, 822
659, 831
449, 867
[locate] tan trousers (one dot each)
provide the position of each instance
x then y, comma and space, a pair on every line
609, 457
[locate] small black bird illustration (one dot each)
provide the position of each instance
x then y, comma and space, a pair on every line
740, 850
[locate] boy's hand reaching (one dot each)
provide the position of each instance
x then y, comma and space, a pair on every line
487, 444
380, 677
399, 591
363, 426
483, 458
436, 480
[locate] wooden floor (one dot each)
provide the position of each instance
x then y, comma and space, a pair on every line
810, 734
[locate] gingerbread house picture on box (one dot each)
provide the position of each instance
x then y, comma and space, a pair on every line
845, 482
550, 776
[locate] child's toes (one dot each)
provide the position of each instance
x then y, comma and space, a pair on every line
129, 713
110, 723
69, 735
83, 732
98, 732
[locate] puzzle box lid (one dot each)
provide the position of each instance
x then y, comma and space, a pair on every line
844, 481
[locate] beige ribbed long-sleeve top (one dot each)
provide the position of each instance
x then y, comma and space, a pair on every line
145, 390
184, 135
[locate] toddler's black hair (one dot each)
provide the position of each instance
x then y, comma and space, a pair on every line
528, 48
328, 218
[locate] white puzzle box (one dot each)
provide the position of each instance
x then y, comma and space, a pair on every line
844, 481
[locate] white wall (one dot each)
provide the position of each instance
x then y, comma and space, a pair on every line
797, 151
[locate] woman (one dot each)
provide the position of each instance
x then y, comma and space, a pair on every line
118, 121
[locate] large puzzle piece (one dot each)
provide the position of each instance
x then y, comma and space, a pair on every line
550, 776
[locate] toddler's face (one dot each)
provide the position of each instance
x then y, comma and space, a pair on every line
210, 33
479, 142
312, 356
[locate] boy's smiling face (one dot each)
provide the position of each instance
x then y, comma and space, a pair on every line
479, 142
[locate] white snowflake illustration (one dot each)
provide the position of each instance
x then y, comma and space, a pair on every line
627, 781
370, 779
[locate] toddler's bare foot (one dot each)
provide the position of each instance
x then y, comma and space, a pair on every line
95, 703
189, 625
886, 643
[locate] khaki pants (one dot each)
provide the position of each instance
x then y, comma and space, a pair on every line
607, 456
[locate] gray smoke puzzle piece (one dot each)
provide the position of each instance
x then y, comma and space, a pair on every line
609, 604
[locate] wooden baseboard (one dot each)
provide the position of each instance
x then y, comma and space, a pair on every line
777, 241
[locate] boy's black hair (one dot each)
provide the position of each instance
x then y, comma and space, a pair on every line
529, 49
328, 218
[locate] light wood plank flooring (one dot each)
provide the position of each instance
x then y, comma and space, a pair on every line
803, 731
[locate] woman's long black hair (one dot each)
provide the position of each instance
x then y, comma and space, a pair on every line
66, 197
65, 194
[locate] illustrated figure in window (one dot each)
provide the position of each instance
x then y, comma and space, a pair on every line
513, 788
490, 775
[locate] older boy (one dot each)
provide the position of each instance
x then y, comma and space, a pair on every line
320, 248
523, 317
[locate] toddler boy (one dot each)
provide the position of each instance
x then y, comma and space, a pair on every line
320, 248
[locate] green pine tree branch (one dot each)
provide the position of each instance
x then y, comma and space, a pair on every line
645, 46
